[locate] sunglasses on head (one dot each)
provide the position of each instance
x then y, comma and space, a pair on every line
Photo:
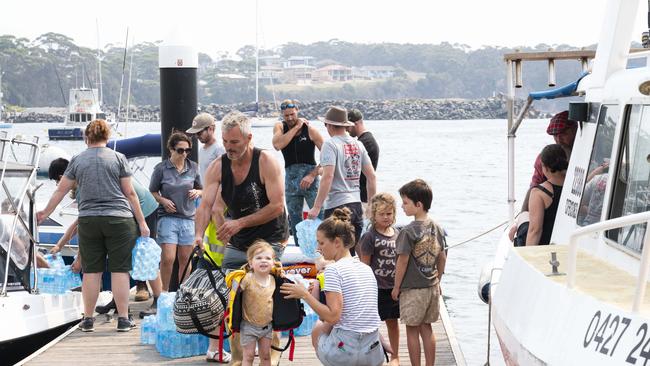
180, 150
288, 105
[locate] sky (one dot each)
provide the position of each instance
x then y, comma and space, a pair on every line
214, 27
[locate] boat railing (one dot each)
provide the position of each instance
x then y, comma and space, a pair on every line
644, 267
7, 147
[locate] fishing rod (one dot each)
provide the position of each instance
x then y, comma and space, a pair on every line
119, 101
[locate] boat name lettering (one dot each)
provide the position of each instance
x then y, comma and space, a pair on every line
571, 208
578, 181
606, 330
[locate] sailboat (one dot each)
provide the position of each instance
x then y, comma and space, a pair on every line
258, 121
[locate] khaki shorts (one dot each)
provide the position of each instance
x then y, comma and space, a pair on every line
419, 306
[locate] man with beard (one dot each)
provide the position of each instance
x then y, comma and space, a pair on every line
203, 127
252, 189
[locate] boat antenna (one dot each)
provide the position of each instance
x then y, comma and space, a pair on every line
257, 59
119, 100
65, 102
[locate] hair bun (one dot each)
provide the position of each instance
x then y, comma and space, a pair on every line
342, 214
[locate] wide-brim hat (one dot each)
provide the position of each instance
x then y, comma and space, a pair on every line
336, 116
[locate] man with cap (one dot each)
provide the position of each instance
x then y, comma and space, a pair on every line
343, 159
563, 131
368, 140
297, 140
203, 127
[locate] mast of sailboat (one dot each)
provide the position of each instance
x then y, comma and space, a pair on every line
119, 100
99, 67
257, 59
128, 91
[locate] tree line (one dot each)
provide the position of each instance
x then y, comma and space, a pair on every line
40, 72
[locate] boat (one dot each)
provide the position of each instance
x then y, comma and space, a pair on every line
3, 124
29, 317
581, 300
83, 107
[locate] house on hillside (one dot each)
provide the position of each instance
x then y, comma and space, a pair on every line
299, 61
275, 61
333, 73
298, 74
373, 72
271, 74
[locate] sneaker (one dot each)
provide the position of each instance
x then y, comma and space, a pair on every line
125, 324
87, 325
106, 308
142, 292
213, 356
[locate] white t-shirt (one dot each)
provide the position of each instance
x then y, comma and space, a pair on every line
348, 156
356, 282
208, 154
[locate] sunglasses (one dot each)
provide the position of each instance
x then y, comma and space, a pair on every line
288, 105
180, 150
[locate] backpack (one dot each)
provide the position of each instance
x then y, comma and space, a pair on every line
287, 313
200, 302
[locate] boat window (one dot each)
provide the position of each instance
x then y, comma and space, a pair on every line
89, 117
591, 203
76, 117
101, 116
631, 191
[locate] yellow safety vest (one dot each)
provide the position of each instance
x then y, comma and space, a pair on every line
214, 248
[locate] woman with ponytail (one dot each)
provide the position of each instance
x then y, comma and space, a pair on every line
545, 197
349, 332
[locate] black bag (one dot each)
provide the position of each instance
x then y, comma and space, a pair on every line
287, 314
201, 300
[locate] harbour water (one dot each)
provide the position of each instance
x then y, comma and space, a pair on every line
464, 162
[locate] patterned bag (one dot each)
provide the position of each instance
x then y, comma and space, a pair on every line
201, 300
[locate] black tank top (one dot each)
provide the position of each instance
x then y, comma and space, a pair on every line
300, 150
549, 213
246, 199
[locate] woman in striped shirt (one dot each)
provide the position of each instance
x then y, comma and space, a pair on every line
349, 332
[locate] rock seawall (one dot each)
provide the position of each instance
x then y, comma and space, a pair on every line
399, 109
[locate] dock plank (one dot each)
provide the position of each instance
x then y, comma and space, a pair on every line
106, 347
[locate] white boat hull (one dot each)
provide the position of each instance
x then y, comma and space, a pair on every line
23, 314
545, 323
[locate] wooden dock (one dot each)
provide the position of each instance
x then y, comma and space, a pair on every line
105, 346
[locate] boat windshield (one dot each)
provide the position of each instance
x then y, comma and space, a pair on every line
21, 241
631, 186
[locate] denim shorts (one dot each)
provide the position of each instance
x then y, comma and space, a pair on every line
175, 230
346, 347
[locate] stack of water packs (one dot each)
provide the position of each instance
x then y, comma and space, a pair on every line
56, 279
160, 330
146, 259
306, 233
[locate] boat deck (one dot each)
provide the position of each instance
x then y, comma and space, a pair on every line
594, 276
107, 347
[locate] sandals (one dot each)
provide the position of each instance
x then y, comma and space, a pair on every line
213, 356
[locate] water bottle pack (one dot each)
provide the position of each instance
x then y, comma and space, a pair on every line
308, 321
54, 260
56, 280
161, 331
306, 233
146, 259
148, 332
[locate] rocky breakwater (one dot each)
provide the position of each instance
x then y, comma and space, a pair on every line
401, 109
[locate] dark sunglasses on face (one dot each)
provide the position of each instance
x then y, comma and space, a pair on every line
288, 105
180, 150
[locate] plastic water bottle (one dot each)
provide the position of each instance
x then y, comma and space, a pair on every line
146, 259
54, 260
148, 332
165, 318
306, 233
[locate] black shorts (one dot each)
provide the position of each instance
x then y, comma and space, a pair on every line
388, 308
356, 219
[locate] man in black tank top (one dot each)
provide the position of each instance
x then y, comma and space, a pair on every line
297, 140
247, 181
